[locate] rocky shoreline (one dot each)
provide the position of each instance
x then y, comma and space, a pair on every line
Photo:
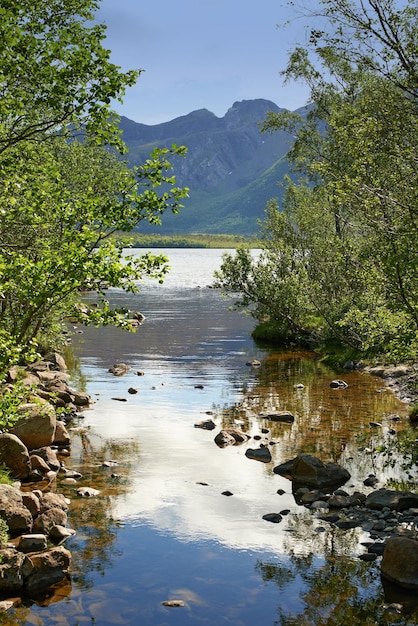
36, 447
33, 450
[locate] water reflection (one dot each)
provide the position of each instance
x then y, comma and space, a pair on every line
163, 528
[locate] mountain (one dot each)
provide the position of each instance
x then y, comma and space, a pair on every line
231, 169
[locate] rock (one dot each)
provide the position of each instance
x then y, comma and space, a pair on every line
49, 456
311, 472
275, 518
48, 568
338, 502
61, 436
285, 469
230, 437
34, 542
87, 492
227, 493
80, 398
13, 511
14, 455
31, 502
394, 500
37, 463
253, 363
400, 562
262, 454
52, 517
370, 481
59, 534
56, 362
13, 566
206, 424
338, 384
368, 557
51, 500
132, 390
119, 369
278, 416
36, 427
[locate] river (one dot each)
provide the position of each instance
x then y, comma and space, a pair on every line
179, 518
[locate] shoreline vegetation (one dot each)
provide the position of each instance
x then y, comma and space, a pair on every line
140, 240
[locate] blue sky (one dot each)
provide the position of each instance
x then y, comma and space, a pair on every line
202, 54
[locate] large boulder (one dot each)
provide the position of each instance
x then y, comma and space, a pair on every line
48, 568
14, 455
309, 471
394, 500
36, 427
400, 562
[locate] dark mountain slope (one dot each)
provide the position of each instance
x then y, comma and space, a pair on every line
231, 169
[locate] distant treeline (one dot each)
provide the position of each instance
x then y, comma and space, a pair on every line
138, 240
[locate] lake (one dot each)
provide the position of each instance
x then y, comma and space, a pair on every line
179, 518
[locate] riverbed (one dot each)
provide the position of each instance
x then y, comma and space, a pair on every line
179, 519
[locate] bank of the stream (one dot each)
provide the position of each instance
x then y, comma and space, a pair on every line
178, 518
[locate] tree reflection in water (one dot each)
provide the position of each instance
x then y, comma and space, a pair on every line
333, 587
93, 547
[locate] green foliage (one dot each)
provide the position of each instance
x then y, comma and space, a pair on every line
413, 413
63, 198
341, 258
11, 398
140, 240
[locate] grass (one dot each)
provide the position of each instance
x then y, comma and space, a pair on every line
139, 240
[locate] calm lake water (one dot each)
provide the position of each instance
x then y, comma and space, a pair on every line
162, 527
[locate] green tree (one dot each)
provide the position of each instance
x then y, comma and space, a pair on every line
55, 225
352, 218
63, 196
55, 73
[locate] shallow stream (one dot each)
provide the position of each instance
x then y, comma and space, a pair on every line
162, 528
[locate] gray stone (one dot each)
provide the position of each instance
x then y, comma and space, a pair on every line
33, 542
400, 562
275, 518
230, 437
119, 369
262, 454
310, 471
394, 500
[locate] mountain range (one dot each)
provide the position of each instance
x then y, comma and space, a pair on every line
231, 169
